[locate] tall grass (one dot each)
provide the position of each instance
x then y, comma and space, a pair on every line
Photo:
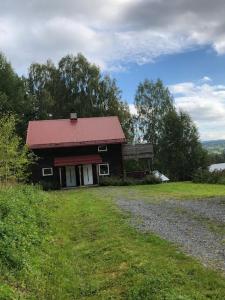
23, 222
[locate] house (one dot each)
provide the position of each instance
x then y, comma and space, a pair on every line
76, 151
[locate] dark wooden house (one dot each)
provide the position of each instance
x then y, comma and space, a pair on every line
76, 151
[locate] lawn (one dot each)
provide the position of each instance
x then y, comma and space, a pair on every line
91, 252
175, 190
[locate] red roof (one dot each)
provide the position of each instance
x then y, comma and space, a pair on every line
77, 160
67, 133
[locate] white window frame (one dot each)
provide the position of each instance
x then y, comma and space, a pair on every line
99, 169
102, 150
43, 172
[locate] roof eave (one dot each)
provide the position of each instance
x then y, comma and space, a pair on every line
76, 144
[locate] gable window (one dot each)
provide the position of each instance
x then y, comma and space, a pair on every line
102, 148
103, 169
47, 171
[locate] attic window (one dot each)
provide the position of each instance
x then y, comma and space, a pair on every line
47, 171
102, 148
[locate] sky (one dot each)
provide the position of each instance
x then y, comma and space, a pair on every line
180, 41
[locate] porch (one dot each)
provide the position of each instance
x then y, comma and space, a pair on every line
76, 171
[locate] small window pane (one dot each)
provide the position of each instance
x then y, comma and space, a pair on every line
103, 169
47, 171
102, 148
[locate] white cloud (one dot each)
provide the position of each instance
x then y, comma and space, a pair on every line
110, 33
206, 104
133, 109
206, 79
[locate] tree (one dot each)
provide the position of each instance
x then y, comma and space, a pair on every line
14, 157
180, 151
13, 97
152, 101
75, 85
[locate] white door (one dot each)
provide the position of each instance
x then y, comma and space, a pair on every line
88, 174
70, 176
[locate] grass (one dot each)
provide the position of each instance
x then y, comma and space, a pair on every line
175, 190
91, 252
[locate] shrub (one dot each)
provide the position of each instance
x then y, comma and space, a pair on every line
117, 181
204, 176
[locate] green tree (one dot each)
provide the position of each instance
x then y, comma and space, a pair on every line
15, 158
180, 151
75, 85
13, 97
152, 101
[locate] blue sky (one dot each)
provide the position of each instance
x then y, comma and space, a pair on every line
191, 66
182, 42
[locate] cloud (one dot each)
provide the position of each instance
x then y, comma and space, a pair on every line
133, 109
110, 33
206, 105
206, 79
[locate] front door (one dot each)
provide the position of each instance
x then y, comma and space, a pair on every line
70, 176
88, 174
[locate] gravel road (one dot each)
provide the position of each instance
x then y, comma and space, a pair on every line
197, 226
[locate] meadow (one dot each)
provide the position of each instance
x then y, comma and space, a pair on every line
77, 244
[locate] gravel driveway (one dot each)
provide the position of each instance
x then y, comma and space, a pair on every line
198, 226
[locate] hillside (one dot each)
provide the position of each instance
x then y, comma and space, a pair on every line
214, 146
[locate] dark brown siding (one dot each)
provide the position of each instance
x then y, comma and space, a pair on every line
113, 156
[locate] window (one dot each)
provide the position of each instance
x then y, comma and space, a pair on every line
47, 171
103, 169
102, 148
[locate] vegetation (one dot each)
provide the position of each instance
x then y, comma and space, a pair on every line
153, 101
15, 158
75, 85
23, 224
180, 151
51, 92
177, 149
117, 181
205, 176
174, 190
216, 147
91, 252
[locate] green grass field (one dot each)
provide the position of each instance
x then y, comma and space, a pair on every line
91, 252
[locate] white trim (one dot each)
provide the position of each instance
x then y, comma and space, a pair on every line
43, 171
99, 169
102, 150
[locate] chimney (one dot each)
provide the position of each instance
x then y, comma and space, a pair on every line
73, 116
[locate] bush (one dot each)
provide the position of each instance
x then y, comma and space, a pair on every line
204, 176
117, 181
23, 221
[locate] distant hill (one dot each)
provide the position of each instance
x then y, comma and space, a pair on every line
214, 146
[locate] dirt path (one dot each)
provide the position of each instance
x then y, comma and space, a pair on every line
198, 226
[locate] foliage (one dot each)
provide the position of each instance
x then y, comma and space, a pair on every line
23, 223
152, 101
204, 176
117, 181
180, 151
13, 96
75, 85
94, 253
15, 159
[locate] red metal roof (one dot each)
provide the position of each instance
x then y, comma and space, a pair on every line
77, 160
67, 133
